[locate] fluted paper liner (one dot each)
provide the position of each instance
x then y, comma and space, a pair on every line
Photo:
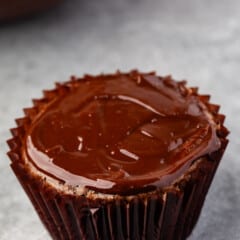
166, 214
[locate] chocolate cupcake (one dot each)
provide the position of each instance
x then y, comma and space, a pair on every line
121, 156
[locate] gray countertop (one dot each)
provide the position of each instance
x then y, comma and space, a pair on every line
194, 40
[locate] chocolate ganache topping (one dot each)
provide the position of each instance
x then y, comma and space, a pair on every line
121, 134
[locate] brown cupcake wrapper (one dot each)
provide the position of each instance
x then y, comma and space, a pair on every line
168, 215
165, 214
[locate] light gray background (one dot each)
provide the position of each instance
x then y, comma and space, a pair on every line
198, 40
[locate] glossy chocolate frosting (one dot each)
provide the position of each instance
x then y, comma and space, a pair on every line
121, 134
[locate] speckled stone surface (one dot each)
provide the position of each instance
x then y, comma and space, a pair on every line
194, 40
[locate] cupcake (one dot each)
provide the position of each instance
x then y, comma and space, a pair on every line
119, 156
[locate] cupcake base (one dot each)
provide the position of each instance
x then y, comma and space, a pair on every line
167, 215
